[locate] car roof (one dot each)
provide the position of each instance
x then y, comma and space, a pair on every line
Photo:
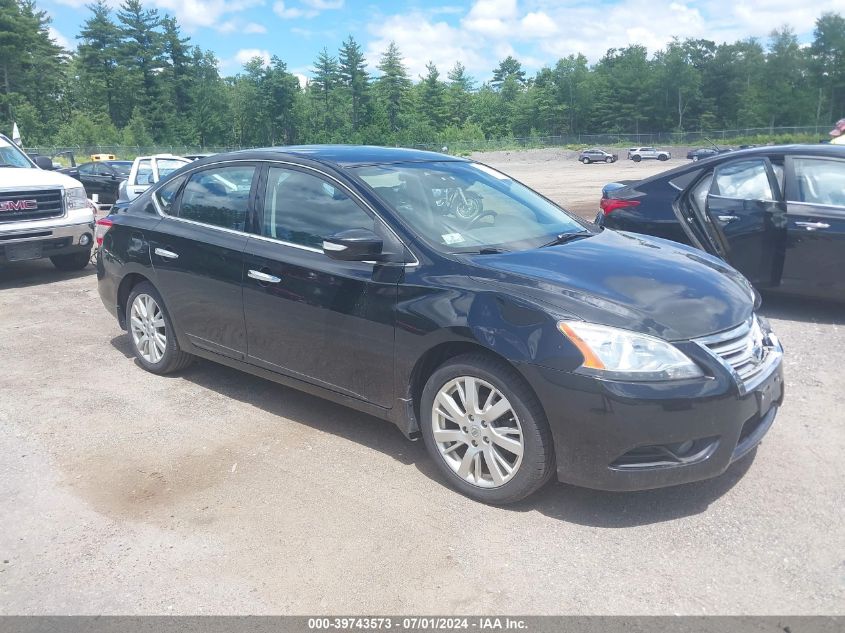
341, 155
818, 149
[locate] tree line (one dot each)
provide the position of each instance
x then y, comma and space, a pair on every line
135, 79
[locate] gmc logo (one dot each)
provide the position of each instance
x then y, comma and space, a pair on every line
18, 205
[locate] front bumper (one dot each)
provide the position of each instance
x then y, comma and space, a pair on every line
635, 436
48, 239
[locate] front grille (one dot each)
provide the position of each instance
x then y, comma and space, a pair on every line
743, 348
30, 205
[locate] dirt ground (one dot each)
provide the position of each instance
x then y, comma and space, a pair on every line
217, 492
557, 174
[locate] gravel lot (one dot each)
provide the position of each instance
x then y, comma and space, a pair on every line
217, 492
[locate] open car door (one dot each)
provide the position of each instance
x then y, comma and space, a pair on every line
745, 219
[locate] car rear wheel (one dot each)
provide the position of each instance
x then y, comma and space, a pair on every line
485, 430
151, 332
73, 261
586, 160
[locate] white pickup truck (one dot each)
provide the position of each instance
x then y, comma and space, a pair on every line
42, 213
146, 171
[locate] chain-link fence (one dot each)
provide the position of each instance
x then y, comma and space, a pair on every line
757, 135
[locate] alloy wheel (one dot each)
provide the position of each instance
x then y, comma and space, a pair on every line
477, 432
146, 322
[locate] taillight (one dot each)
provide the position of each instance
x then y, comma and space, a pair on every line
103, 225
611, 204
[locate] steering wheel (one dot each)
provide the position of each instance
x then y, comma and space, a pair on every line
477, 218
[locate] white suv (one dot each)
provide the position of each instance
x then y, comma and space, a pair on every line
637, 154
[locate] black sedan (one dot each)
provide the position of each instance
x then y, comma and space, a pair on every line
705, 152
777, 214
520, 343
101, 179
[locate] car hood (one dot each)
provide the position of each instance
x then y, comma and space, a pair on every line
625, 280
16, 177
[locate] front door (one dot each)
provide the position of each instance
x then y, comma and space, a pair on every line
321, 320
197, 253
815, 247
746, 219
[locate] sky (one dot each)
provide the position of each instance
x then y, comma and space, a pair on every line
479, 33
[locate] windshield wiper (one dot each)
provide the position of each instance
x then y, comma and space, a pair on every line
563, 238
487, 250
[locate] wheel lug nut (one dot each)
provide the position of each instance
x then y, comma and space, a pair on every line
465, 429
486, 440
474, 443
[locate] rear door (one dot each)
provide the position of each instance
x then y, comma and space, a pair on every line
815, 244
745, 219
197, 252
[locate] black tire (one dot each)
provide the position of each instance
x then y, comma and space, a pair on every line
72, 261
636, 158
609, 159
173, 359
538, 461
663, 157
586, 160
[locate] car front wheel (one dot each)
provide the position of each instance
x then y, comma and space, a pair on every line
609, 159
485, 430
151, 332
636, 159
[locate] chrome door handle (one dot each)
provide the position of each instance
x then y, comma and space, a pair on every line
166, 254
728, 218
813, 226
258, 275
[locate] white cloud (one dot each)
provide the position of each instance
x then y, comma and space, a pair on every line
421, 40
491, 17
538, 24
60, 39
254, 27
324, 5
303, 80
248, 54
289, 13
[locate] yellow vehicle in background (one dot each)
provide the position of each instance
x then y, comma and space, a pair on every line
102, 156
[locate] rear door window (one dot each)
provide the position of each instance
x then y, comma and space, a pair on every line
218, 197
819, 181
743, 180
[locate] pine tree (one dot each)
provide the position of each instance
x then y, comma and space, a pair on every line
393, 84
433, 98
353, 75
323, 85
97, 57
508, 67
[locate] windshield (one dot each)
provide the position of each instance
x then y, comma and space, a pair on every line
167, 166
467, 207
11, 156
121, 168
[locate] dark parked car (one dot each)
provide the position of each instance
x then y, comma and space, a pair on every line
102, 178
705, 152
520, 343
596, 155
777, 214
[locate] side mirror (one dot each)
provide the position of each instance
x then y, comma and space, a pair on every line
354, 245
44, 162
114, 176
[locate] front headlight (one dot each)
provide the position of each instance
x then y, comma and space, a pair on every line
75, 198
623, 355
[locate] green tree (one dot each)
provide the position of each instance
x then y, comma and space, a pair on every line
508, 67
393, 85
432, 91
353, 75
